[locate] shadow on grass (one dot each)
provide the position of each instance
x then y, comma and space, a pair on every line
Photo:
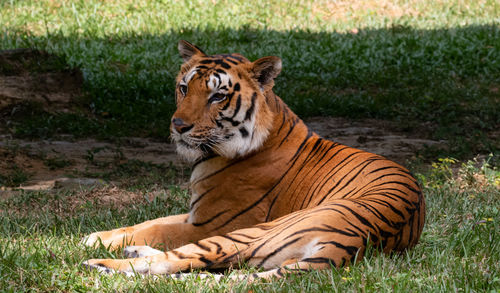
442, 83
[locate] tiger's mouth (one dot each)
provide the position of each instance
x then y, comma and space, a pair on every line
205, 147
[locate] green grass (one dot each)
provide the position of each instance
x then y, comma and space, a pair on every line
412, 62
459, 249
430, 66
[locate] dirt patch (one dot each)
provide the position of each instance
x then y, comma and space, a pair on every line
30, 77
376, 136
32, 80
48, 163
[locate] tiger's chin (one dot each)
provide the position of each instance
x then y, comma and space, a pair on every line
231, 149
188, 153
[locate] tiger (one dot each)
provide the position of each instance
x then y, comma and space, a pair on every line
267, 191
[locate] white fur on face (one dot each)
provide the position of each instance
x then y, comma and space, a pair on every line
189, 154
239, 145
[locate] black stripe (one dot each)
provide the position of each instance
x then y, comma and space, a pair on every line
358, 216
200, 197
347, 164
237, 108
207, 262
233, 122
250, 110
217, 76
178, 254
222, 63
350, 232
232, 61
376, 213
210, 220
243, 131
387, 194
389, 174
398, 183
280, 228
234, 239
385, 203
203, 160
229, 98
219, 247
301, 146
363, 233
243, 235
219, 125
277, 250
235, 57
279, 273
202, 246
319, 260
351, 250
292, 127
380, 169
207, 61
282, 123
318, 229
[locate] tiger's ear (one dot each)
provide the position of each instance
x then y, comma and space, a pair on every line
265, 70
188, 50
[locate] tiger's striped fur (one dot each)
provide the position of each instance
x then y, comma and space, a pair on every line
266, 189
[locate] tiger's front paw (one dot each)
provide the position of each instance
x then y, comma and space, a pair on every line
90, 265
91, 240
139, 251
112, 239
113, 266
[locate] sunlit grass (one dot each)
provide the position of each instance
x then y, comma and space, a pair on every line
102, 18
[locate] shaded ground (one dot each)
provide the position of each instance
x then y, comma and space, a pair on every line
33, 79
36, 80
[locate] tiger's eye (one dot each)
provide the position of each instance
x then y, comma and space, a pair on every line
183, 88
217, 97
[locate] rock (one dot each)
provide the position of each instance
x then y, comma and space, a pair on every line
78, 183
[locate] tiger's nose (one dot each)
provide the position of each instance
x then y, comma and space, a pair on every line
180, 125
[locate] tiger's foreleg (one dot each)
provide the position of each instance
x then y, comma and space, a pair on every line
172, 231
213, 252
293, 242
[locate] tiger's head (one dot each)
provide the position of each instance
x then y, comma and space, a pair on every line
221, 103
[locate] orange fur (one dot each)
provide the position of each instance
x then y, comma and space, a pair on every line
266, 189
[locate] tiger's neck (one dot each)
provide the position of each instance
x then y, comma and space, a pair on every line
246, 181
287, 129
